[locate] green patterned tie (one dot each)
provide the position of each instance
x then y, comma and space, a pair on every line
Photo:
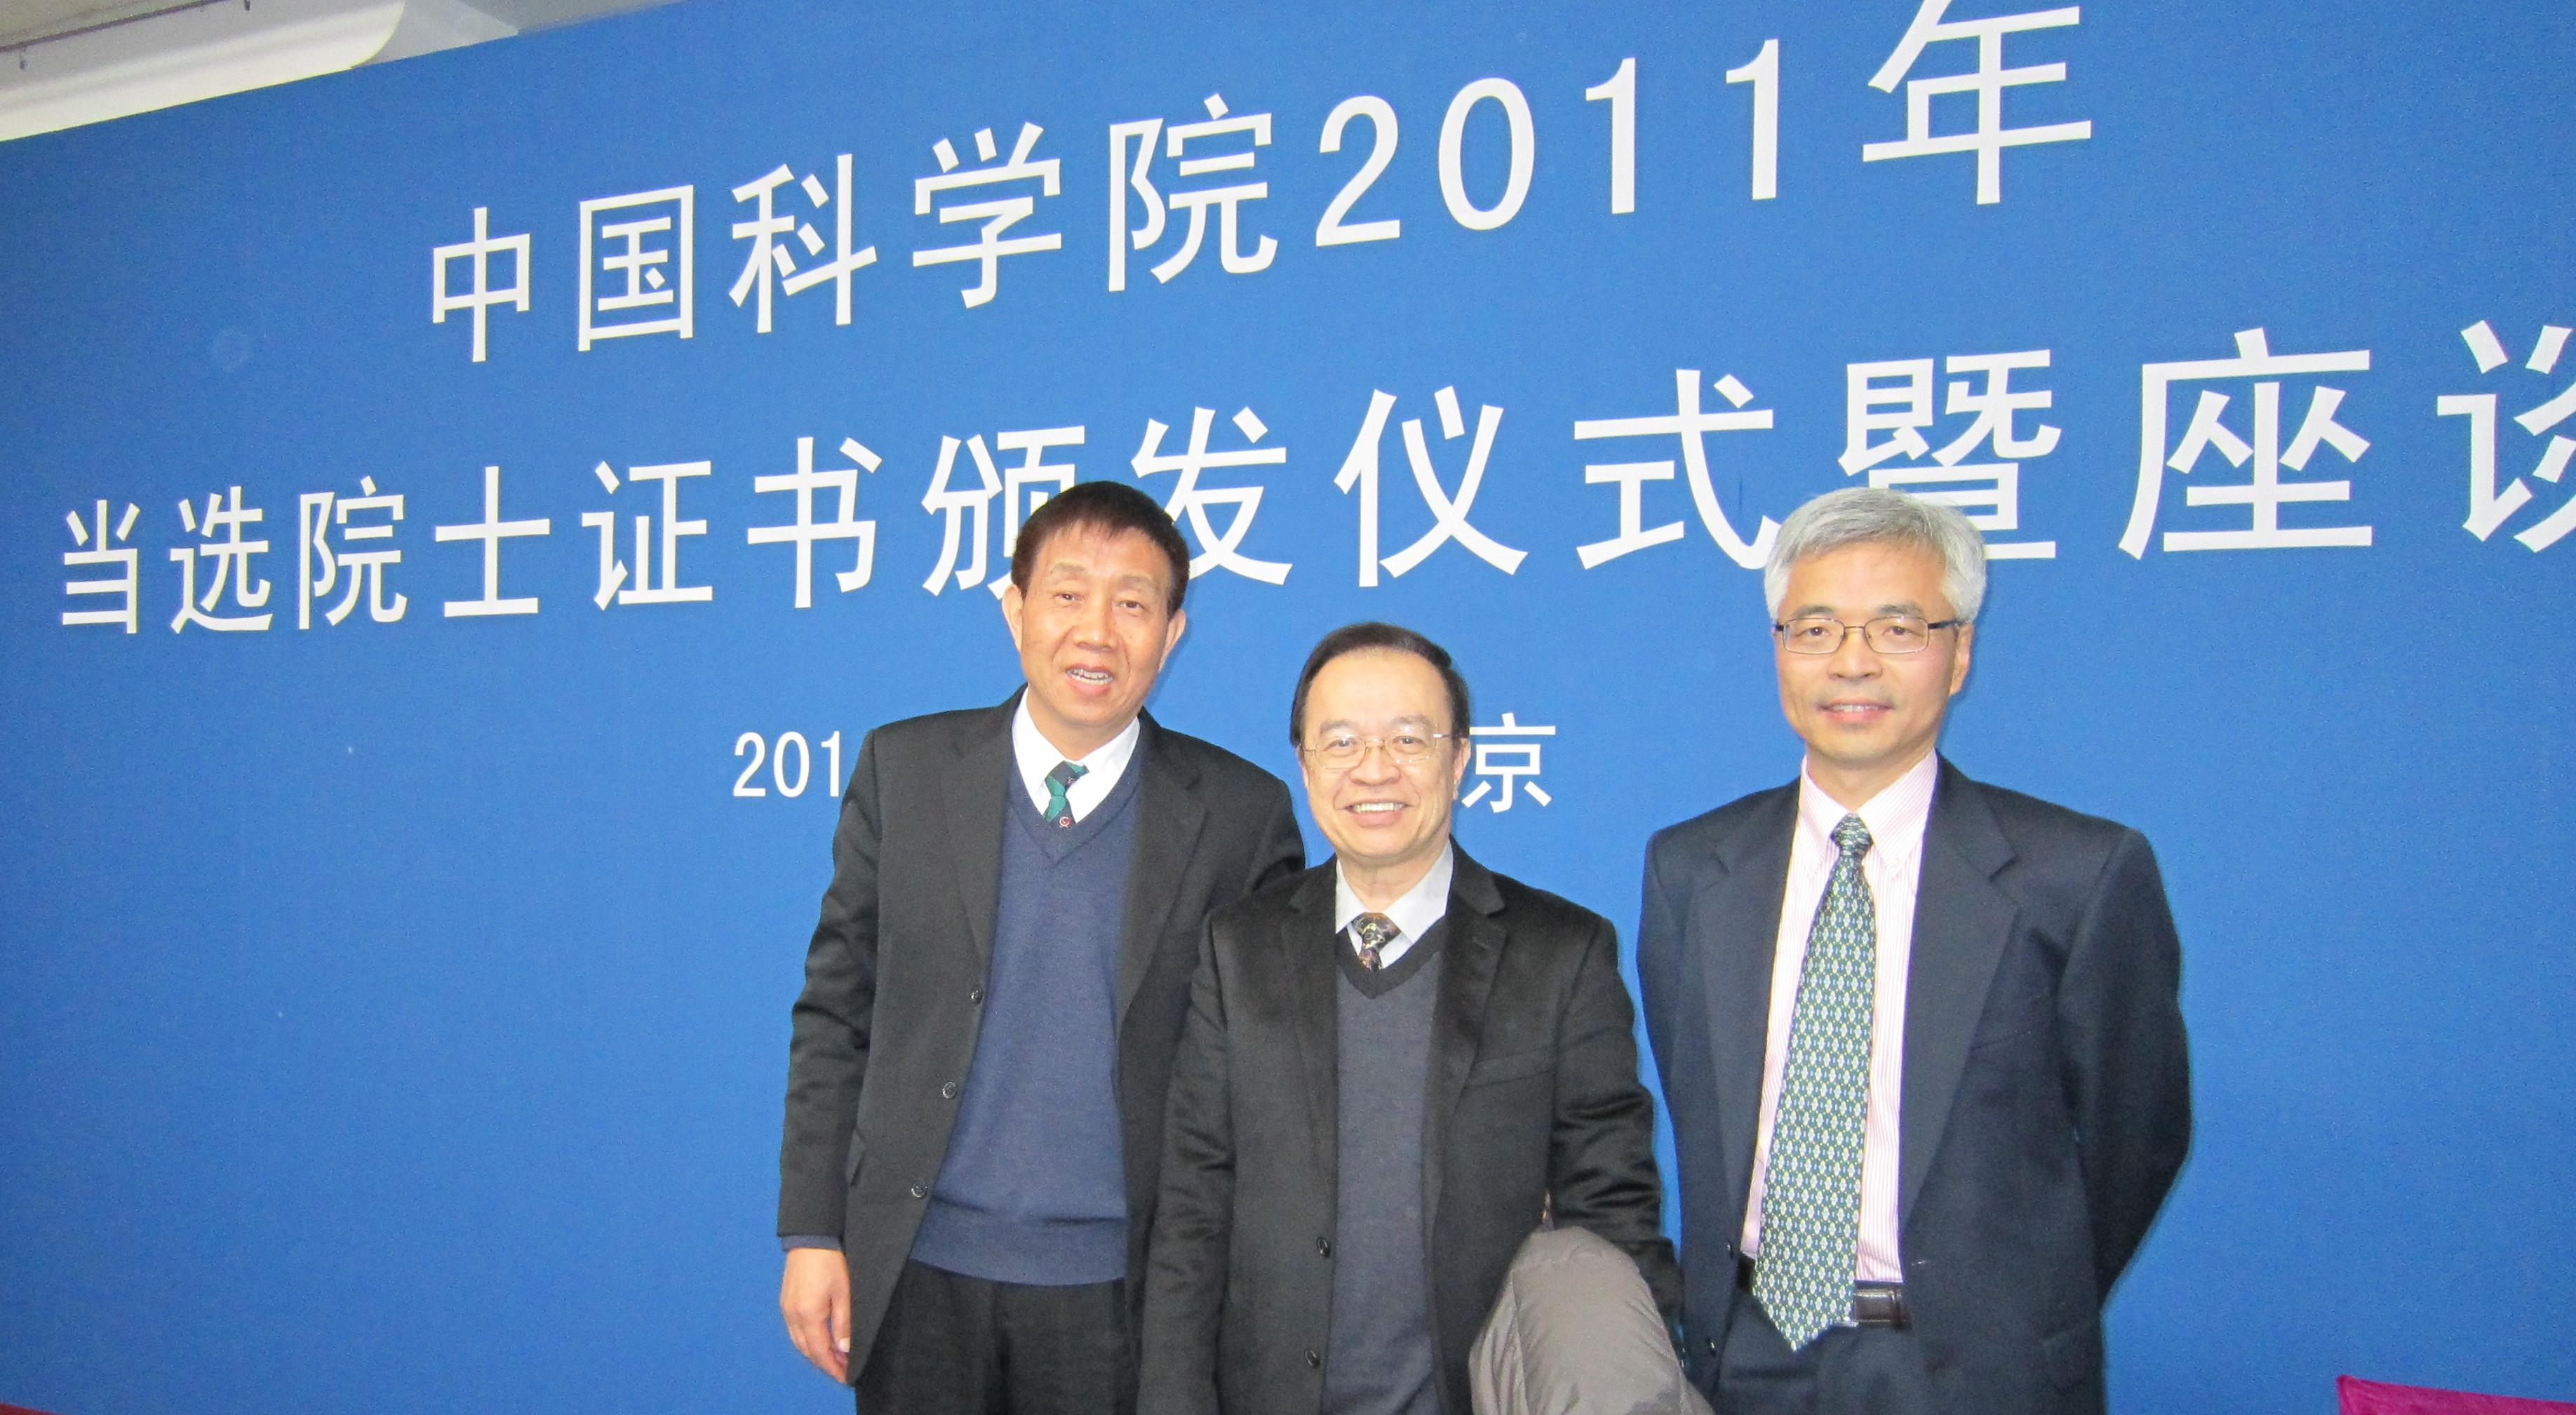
1811, 1189
1059, 808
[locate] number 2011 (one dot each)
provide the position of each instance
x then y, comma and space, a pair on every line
1619, 91
791, 780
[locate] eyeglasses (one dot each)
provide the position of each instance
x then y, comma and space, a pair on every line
1343, 750
1888, 634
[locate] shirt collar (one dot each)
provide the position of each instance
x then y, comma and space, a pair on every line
1414, 911
1036, 756
1895, 817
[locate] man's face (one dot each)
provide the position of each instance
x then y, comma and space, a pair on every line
1866, 716
1093, 630
1383, 816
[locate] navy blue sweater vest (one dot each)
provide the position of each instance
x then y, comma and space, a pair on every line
1034, 1186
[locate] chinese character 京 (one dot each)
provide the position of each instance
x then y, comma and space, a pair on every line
1508, 753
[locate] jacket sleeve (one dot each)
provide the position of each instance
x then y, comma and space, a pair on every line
1278, 850
1601, 1159
1659, 946
2128, 1068
827, 1051
1185, 1278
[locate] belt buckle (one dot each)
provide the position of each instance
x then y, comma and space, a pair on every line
1874, 1304
1880, 1304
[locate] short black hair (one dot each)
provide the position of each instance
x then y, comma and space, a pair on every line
1109, 507
1371, 634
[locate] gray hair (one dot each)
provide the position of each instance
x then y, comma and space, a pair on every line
1859, 515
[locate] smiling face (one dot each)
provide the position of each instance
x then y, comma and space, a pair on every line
1868, 717
1093, 629
1387, 820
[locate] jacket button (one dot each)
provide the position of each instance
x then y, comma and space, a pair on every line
1314, 1357
975, 996
921, 1191
1712, 1346
948, 1090
1323, 1247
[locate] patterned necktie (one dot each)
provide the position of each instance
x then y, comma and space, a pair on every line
1374, 931
1059, 808
1811, 1189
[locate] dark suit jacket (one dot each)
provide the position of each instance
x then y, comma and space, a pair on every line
2047, 1099
895, 975
1533, 1093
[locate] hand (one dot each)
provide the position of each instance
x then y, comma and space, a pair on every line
815, 1298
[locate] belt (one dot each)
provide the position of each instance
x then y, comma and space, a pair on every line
1874, 1304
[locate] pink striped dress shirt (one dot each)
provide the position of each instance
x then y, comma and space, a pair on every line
1895, 817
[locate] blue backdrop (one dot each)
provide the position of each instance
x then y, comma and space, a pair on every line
394, 974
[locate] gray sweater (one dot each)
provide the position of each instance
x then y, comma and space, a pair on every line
1381, 1360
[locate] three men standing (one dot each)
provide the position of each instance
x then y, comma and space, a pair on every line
992, 995
1919, 1035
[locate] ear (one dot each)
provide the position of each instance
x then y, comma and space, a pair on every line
1959, 664
1458, 775
1172, 631
1012, 604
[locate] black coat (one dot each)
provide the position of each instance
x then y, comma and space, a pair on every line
1534, 1094
886, 1027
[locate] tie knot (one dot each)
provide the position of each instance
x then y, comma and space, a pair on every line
1852, 836
1374, 931
1067, 773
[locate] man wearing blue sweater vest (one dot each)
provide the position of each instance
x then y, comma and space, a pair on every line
994, 991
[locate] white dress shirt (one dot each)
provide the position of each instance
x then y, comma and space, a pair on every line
1895, 817
1413, 911
1100, 771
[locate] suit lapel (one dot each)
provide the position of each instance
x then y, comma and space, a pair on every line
1309, 974
1739, 914
1169, 817
1470, 958
974, 797
1961, 921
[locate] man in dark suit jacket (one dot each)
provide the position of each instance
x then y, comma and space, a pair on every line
992, 996
1919, 1035
1392, 1065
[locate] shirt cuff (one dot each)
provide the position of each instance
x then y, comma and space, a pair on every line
790, 1242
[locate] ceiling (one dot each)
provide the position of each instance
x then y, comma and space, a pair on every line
85, 61
29, 22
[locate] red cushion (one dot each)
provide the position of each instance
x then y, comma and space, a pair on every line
2362, 1397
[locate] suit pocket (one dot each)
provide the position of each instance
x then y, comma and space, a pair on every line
1490, 1070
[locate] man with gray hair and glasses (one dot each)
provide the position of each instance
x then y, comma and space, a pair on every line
1919, 1035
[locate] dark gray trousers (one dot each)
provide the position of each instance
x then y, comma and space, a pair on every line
957, 1345
1846, 1371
